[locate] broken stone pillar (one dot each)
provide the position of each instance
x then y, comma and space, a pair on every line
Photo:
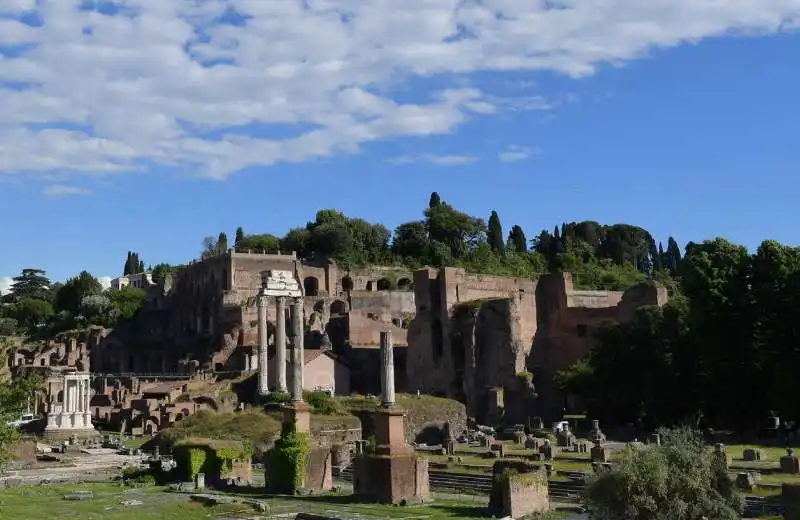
263, 347
752, 455
280, 344
745, 481
720, 453
387, 370
297, 350
790, 463
393, 473
525, 494
598, 453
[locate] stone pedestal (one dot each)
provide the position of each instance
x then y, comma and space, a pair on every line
790, 463
525, 494
752, 455
298, 415
394, 473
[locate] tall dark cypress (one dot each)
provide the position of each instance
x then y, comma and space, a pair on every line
239, 235
495, 233
517, 239
673, 255
435, 200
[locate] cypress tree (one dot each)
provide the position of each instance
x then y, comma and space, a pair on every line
239, 235
222, 242
495, 233
673, 256
435, 200
517, 239
140, 267
127, 269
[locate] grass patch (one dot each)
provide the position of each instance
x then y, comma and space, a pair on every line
45, 503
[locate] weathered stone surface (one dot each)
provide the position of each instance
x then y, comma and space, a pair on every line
790, 496
752, 455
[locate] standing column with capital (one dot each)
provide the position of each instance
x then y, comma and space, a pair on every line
280, 344
387, 370
263, 347
297, 350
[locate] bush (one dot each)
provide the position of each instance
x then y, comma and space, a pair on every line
679, 480
322, 403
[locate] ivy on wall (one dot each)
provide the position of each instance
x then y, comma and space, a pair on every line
214, 458
286, 464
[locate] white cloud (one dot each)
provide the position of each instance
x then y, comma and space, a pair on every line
440, 160
5, 284
516, 153
119, 93
60, 190
105, 281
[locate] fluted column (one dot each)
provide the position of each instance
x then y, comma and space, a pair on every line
387, 370
297, 350
280, 344
263, 347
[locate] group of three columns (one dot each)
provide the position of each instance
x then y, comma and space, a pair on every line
298, 333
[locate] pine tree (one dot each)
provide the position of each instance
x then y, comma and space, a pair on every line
517, 239
556, 233
660, 262
222, 242
435, 200
239, 235
495, 233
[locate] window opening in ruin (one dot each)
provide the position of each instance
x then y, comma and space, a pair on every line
384, 284
311, 286
369, 285
338, 307
347, 284
404, 284
583, 330
396, 322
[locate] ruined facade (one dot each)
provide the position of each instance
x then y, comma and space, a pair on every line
206, 313
489, 340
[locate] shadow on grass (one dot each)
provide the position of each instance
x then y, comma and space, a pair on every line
463, 511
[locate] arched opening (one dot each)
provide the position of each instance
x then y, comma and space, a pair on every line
311, 286
396, 322
404, 284
384, 284
347, 284
338, 307
369, 285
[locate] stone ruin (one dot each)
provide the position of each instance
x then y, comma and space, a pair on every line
72, 418
519, 489
790, 463
394, 473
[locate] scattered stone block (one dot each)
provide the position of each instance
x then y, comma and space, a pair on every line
525, 494
200, 481
79, 495
789, 463
583, 447
790, 497
532, 443
752, 455
519, 437
499, 449
745, 481
565, 438
548, 451
598, 453
487, 441
14, 482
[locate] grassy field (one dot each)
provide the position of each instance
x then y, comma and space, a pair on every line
46, 503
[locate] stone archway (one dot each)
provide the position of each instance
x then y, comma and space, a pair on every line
404, 284
347, 284
384, 284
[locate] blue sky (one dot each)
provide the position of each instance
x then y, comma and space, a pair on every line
693, 140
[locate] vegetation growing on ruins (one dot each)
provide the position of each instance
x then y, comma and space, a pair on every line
208, 456
600, 257
286, 462
722, 354
678, 480
14, 397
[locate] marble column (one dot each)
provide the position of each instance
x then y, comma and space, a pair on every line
263, 352
297, 350
387, 370
280, 344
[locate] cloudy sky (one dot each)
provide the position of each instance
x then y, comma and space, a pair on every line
146, 125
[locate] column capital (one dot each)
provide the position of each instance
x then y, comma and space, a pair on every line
280, 301
261, 299
297, 300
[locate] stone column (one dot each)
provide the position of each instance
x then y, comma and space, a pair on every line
263, 352
387, 370
297, 350
280, 344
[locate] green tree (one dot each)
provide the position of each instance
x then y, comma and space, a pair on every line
74, 290
258, 243
160, 272
127, 300
31, 313
298, 240
679, 480
239, 235
517, 240
31, 283
435, 200
14, 399
494, 233
209, 245
222, 242
411, 241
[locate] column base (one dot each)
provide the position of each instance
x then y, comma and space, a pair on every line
298, 416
